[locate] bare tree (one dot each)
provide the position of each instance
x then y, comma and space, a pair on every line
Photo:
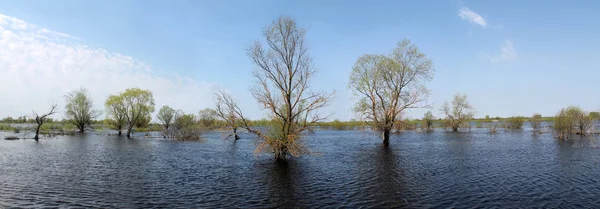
40, 119
79, 110
226, 110
460, 112
167, 115
388, 85
284, 70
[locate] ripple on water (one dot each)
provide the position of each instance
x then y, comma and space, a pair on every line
418, 170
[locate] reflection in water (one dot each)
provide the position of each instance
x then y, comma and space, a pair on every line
437, 169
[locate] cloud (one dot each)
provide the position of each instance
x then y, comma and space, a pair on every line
507, 53
38, 66
466, 14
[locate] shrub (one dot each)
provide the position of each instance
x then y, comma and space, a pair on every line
515, 122
535, 121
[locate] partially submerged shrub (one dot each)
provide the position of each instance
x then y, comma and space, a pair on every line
492, 126
535, 121
185, 128
572, 120
515, 122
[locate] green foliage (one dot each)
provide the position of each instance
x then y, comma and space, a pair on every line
115, 113
207, 118
535, 121
185, 127
595, 115
515, 122
428, 120
386, 85
166, 115
459, 114
78, 109
563, 124
132, 108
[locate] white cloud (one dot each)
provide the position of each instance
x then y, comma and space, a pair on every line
507, 53
38, 66
466, 14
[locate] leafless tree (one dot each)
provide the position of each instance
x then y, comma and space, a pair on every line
40, 119
226, 110
284, 70
388, 85
460, 112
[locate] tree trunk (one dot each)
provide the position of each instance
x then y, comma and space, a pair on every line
455, 128
129, 132
235, 135
119, 132
81, 129
386, 137
37, 132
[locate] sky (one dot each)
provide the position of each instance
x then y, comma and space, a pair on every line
509, 57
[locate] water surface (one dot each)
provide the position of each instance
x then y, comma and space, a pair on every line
351, 169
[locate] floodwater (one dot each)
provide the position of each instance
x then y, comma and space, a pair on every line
351, 169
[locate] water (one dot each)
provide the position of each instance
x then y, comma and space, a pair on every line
351, 169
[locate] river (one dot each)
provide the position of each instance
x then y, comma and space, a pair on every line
349, 169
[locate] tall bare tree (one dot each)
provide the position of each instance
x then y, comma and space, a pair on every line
460, 113
40, 119
284, 69
388, 85
226, 110
79, 109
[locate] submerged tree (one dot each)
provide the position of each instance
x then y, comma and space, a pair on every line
167, 115
207, 118
515, 122
40, 119
115, 113
79, 110
284, 70
459, 113
388, 85
581, 119
535, 121
139, 105
563, 124
185, 127
226, 110
428, 120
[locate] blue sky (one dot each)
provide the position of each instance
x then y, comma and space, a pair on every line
509, 57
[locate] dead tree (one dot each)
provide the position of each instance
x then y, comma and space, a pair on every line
40, 119
226, 110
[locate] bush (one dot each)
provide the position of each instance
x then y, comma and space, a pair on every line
515, 122
535, 121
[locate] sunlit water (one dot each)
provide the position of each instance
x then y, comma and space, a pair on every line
351, 169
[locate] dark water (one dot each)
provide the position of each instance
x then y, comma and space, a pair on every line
440, 169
